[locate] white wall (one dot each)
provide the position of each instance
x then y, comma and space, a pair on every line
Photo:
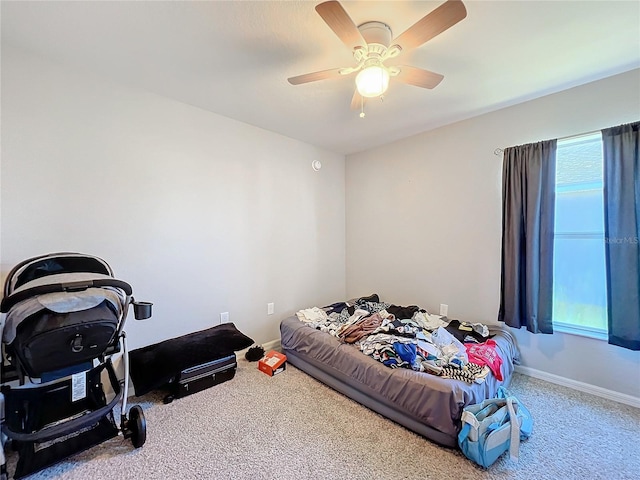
203, 214
424, 220
200, 213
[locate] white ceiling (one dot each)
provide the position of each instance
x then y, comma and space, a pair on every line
233, 58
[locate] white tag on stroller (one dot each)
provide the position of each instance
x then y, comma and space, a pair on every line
78, 386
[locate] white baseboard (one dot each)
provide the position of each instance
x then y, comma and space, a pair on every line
272, 345
581, 386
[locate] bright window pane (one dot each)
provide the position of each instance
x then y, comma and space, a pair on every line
580, 211
579, 288
579, 161
579, 291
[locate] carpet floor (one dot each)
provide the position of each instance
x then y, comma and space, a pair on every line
291, 427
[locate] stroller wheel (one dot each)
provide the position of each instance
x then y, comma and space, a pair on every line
137, 426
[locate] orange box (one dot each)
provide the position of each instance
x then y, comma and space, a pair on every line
273, 363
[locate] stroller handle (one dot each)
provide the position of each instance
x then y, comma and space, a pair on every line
11, 300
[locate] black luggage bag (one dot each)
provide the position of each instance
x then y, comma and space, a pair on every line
200, 377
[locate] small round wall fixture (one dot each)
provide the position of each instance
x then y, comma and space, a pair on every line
316, 165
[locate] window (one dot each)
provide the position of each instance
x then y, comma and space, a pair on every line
579, 288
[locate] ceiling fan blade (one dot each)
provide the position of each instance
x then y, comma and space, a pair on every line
357, 101
315, 76
340, 22
434, 23
418, 77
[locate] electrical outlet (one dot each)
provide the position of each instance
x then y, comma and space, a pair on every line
224, 317
270, 308
444, 309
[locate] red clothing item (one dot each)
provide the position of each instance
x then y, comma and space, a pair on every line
485, 354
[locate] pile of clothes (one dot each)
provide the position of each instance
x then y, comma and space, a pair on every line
410, 337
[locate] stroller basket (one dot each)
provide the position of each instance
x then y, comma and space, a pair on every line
43, 426
34, 419
64, 319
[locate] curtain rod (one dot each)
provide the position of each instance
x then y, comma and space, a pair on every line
500, 151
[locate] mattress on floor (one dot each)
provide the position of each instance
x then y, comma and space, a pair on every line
427, 404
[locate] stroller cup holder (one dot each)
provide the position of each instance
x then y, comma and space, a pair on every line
142, 310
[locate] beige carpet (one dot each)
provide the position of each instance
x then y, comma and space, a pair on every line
291, 427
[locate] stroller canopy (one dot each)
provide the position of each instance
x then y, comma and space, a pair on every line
53, 281
52, 264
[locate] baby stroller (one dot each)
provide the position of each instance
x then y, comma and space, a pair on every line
64, 315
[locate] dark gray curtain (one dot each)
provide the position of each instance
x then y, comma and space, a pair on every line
528, 211
622, 233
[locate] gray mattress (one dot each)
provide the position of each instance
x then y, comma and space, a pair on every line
426, 404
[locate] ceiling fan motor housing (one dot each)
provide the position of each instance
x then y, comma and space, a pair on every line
376, 32
378, 36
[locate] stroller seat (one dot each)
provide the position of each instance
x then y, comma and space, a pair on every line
65, 315
48, 333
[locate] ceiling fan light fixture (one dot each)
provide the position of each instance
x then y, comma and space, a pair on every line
372, 81
372, 43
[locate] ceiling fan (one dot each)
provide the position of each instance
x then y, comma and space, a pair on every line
371, 44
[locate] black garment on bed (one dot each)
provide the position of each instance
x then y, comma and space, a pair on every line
403, 313
465, 333
154, 366
335, 307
